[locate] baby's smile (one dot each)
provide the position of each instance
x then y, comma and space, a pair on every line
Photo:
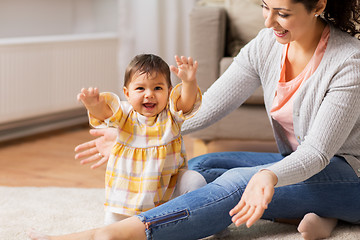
149, 105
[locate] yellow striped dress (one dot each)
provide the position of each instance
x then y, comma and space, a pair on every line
144, 163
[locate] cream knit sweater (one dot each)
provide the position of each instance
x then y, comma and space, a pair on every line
326, 111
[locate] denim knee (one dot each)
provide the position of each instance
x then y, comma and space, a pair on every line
193, 164
206, 165
236, 178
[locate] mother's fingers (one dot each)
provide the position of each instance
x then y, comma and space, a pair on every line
86, 153
244, 216
239, 212
84, 146
91, 158
99, 163
255, 216
268, 194
237, 208
98, 132
248, 215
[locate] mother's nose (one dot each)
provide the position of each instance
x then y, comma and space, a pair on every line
270, 19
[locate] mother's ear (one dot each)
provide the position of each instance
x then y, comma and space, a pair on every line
320, 7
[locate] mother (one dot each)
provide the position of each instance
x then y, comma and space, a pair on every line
308, 64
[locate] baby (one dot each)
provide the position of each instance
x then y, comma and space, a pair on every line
147, 166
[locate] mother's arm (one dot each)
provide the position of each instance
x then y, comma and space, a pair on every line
226, 94
330, 125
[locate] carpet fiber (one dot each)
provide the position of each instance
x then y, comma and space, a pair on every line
65, 210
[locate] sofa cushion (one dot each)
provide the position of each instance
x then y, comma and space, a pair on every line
210, 3
245, 21
246, 123
207, 42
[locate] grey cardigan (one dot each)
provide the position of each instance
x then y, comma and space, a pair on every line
326, 110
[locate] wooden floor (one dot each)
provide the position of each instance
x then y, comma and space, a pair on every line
48, 160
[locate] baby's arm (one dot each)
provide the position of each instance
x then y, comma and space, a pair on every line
94, 103
186, 71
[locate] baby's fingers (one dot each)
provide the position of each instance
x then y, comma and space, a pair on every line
80, 96
190, 61
85, 91
195, 65
93, 91
184, 60
90, 92
178, 60
174, 69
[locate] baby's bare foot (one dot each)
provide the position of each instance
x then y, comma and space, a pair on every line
34, 235
313, 227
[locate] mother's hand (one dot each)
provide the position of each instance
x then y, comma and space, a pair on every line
98, 149
255, 199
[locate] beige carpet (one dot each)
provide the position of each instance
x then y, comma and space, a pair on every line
64, 210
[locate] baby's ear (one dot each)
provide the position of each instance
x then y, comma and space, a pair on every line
126, 93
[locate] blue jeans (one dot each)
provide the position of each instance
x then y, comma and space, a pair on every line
333, 193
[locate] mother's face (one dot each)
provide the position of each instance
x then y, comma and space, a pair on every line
290, 21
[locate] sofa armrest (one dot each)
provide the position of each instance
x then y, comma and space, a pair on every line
207, 42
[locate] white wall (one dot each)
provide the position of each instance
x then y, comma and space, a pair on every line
24, 18
153, 26
144, 26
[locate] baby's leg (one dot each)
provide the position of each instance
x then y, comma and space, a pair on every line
34, 235
188, 180
111, 217
313, 227
129, 229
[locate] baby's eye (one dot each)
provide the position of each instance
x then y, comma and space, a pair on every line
158, 88
139, 88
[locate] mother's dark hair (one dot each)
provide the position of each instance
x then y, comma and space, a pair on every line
344, 14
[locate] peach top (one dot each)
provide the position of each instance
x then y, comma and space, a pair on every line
282, 108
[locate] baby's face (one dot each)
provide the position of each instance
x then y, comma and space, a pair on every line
148, 94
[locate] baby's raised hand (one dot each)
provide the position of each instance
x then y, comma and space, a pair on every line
186, 68
94, 103
89, 97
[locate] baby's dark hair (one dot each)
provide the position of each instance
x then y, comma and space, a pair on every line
147, 64
342, 14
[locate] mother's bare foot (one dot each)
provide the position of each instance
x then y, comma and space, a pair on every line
34, 235
313, 227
